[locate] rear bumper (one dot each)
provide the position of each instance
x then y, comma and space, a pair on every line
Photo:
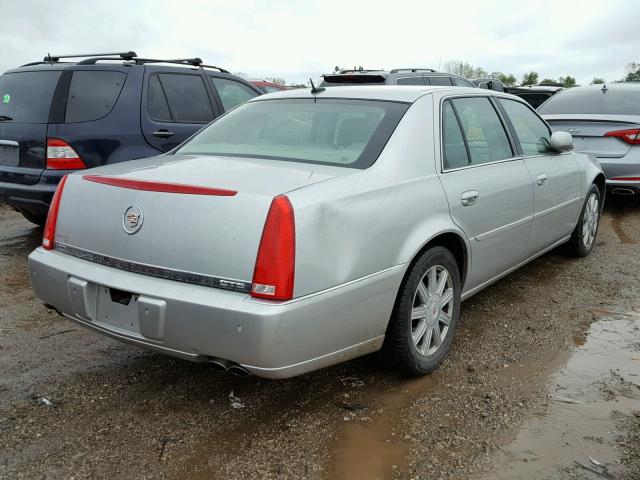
274, 340
34, 199
622, 169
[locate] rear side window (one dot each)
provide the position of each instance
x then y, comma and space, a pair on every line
349, 133
454, 149
593, 101
232, 93
533, 134
411, 81
439, 81
483, 130
26, 96
183, 95
92, 94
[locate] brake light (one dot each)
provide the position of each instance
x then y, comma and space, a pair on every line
274, 272
52, 217
631, 136
62, 156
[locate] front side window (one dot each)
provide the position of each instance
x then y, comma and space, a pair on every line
232, 93
186, 97
349, 133
92, 94
533, 134
483, 130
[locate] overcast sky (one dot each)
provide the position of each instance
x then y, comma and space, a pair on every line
296, 40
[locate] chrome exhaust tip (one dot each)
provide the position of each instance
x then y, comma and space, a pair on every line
623, 191
239, 371
219, 364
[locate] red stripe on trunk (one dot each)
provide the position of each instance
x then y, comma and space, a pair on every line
150, 186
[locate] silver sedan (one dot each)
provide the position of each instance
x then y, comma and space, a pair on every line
306, 228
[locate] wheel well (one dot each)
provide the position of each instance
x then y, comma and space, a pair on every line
601, 183
455, 244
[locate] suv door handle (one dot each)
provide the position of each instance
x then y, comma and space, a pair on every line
163, 133
542, 180
469, 198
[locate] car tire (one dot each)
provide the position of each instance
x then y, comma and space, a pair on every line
425, 304
39, 220
584, 235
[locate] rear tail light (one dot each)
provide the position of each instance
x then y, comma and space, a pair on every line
631, 136
274, 272
52, 217
62, 156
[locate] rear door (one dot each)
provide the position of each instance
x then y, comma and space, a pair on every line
175, 105
555, 177
487, 186
25, 104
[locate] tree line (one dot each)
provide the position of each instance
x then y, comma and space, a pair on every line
467, 70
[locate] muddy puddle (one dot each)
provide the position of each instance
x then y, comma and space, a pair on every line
588, 400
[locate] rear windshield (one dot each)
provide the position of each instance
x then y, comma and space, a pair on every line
593, 101
26, 96
349, 133
359, 79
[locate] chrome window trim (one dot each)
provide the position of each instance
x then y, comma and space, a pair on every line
155, 271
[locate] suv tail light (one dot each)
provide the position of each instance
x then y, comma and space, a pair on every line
62, 156
631, 136
52, 217
274, 271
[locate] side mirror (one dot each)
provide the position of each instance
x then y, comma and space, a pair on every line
561, 141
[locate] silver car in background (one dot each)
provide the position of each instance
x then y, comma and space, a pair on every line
306, 228
605, 122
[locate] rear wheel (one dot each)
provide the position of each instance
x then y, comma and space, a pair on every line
426, 314
584, 235
33, 218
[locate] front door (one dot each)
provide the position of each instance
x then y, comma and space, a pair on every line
557, 195
489, 191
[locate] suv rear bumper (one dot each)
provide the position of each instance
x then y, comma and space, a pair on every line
33, 199
273, 340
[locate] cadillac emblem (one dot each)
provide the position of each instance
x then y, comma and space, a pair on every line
132, 220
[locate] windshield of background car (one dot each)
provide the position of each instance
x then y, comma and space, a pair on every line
349, 133
26, 96
593, 101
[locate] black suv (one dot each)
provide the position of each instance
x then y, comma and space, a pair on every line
56, 117
397, 76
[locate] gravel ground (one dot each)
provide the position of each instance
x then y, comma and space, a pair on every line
74, 404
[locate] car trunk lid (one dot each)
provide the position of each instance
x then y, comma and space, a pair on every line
25, 103
199, 237
589, 134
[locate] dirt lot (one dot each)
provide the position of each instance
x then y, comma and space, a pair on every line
543, 382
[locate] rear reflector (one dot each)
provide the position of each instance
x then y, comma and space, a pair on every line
61, 156
52, 217
274, 273
150, 186
629, 136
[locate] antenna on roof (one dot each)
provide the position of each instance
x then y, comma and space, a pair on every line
315, 89
604, 88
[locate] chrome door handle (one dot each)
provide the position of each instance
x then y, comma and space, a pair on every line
542, 180
8, 143
163, 134
469, 198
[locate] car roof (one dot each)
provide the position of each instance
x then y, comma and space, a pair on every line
622, 86
390, 93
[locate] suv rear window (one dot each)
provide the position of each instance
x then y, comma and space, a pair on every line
593, 101
232, 93
26, 96
349, 133
92, 94
358, 79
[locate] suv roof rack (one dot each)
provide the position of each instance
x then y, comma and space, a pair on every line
56, 58
194, 62
398, 70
